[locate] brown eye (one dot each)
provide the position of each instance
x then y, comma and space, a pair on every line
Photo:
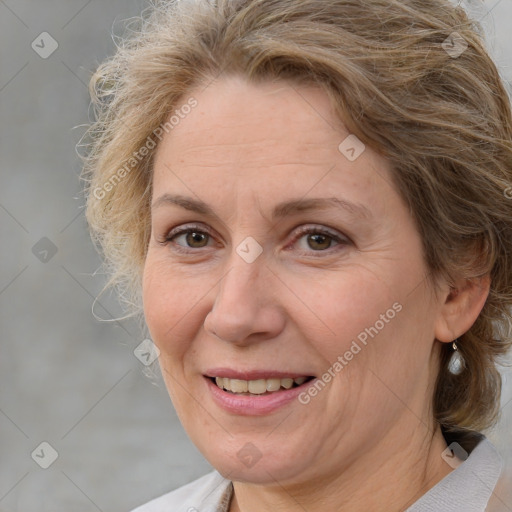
191, 238
311, 240
318, 241
196, 239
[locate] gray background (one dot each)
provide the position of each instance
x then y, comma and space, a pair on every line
67, 378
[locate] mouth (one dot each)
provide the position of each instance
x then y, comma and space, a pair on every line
258, 387
255, 392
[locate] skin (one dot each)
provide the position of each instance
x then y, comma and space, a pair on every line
367, 441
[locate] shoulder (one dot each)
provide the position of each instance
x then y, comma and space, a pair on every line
469, 487
202, 495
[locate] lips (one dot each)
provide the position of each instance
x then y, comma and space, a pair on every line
248, 375
257, 386
224, 385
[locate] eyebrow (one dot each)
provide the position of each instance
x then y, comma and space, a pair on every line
281, 210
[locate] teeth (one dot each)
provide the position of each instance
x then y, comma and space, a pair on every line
287, 383
273, 384
238, 386
259, 386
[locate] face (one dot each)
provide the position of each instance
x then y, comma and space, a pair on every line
284, 256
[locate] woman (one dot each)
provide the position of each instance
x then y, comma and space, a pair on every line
308, 202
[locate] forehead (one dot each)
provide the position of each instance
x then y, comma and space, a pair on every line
234, 115
265, 138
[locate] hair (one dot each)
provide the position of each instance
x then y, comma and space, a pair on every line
443, 121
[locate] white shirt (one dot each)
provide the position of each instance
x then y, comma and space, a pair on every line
467, 488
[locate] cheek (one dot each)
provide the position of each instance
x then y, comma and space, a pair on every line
369, 318
175, 305
155, 294
165, 303
345, 306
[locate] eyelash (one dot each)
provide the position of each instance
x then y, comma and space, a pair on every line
303, 230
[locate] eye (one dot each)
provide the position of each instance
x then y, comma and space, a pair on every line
314, 239
318, 239
193, 237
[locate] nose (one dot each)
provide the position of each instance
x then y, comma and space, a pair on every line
246, 308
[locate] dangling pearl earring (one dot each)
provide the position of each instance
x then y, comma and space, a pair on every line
456, 364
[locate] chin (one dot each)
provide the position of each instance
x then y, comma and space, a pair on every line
250, 465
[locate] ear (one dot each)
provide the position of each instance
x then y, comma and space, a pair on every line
460, 307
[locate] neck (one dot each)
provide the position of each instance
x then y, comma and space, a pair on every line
406, 470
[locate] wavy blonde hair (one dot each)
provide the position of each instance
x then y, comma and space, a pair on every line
443, 122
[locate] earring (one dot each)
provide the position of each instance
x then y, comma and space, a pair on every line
456, 364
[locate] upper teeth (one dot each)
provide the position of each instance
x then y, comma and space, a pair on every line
257, 387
